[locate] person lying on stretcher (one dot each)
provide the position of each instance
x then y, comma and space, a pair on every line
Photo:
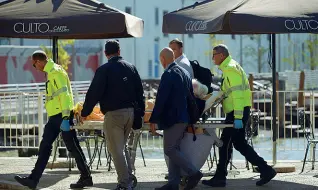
96, 114
204, 101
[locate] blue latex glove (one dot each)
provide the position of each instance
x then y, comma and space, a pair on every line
238, 124
65, 126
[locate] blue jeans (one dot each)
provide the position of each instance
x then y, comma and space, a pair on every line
177, 160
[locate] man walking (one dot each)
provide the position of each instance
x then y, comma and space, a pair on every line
236, 106
118, 89
171, 114
180, 58
59, 105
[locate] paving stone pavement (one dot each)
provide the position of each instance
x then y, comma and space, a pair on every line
152, 176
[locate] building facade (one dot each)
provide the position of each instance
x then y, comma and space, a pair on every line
251, 51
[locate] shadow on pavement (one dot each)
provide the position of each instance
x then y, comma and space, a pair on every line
66, 172
233, 184
140, 185
250, 183
45, 181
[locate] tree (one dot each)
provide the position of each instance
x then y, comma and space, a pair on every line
292, 55
63, 56
307, 54
256, 52
311, 45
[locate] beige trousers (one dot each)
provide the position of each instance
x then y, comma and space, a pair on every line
117, 126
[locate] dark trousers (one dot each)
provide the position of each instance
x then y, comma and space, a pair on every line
51, 132
236, 137
177, 160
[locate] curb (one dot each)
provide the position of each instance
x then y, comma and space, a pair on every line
60, 164
284, 168
12, 185
281, 168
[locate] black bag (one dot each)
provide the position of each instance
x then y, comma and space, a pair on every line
138, 117
193, 109
202, 74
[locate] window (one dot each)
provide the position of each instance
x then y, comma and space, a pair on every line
156, 50
157, 70
156, 57
4, 41
157, 16
149, 68
233, 36
128, 10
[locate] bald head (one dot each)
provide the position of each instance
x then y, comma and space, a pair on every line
166, 56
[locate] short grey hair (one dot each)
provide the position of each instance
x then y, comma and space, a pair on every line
221, 48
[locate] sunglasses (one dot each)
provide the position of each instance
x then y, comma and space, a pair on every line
34, 64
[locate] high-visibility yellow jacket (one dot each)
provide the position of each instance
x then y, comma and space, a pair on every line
59, 96
235, 85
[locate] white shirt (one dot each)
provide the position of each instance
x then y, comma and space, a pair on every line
184, 62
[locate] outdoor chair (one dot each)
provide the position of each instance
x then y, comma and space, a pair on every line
82, 136
56, 145
309, 133
130, 143
251, 130
95, 135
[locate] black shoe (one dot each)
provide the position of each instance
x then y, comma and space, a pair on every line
25, 181
214, 182
82, 182
168, 186
193, 180
266, 177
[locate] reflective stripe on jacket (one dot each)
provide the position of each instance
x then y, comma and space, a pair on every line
236, 87
59, 96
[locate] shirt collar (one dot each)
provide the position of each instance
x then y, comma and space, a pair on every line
49, 65
225, 63
180, 58
114, 57
170, 65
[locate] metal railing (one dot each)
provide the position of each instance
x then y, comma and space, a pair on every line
291, 143
23, 116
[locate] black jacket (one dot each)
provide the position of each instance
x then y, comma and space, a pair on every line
116, 85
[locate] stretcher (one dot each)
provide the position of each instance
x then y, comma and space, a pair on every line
200, 148
214, 123
196, 151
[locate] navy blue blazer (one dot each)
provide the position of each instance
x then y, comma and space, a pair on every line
171, 100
